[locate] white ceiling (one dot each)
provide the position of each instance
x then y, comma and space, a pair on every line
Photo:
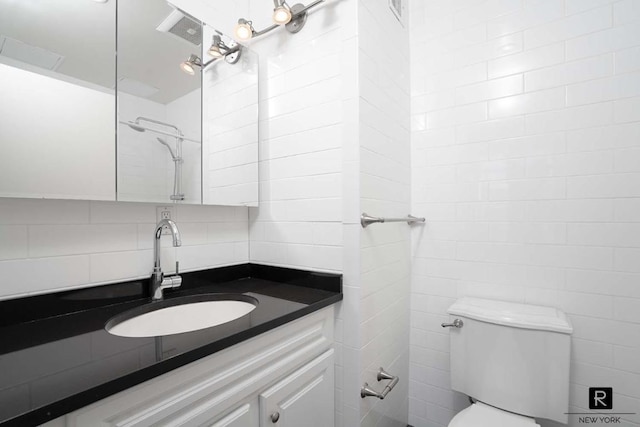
83, 31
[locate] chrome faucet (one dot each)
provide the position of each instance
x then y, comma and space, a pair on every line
158, 281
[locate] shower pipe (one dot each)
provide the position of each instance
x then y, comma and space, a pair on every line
158, 122
177, 168
176, 157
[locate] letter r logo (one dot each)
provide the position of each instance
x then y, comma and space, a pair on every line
600, 398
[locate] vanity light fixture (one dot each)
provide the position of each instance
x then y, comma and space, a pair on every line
281, 12
244, 30
189, 65
293, 18
219, 49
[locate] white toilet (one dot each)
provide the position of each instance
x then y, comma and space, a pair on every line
513, 359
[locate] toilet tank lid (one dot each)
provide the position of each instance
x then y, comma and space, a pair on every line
512, 314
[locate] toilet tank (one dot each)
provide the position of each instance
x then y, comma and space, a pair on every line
512, 356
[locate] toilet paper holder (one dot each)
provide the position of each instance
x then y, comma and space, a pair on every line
367, 391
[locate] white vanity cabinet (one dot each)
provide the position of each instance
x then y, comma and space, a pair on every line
287, 371
246, 414
304, 398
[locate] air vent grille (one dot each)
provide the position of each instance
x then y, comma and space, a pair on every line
183, 26
187, 29
33, 55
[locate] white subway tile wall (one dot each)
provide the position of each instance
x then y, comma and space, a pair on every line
384, 163
230, 130
306, 93
525, 161
51, 245
298, 223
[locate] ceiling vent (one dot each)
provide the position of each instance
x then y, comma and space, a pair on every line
136, 88
183, 26
32, 55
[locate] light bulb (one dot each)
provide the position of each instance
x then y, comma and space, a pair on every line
243, 30
215, 51
281, 15
216, 47
187, 67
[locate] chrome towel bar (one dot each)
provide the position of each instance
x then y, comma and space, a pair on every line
366, 220
367, 391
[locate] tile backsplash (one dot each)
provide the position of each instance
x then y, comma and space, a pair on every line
49, 245
525, 149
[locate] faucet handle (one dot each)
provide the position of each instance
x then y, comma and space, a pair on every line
171, 282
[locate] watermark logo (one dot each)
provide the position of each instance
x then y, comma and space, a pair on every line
600, 398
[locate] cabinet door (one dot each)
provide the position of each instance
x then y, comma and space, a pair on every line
244, 415
304, 398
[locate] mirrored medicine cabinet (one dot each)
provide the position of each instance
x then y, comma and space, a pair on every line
171, 118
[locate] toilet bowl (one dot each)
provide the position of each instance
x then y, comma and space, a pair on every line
481, 415
512, 359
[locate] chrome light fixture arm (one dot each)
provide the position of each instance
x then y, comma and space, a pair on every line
244, 30
307, 7
229, 57
229, 52
265, 31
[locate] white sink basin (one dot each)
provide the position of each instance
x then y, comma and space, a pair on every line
180, 315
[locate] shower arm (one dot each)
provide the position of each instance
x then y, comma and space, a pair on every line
158, 122
159, 131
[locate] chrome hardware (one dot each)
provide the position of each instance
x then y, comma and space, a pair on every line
367, 391
366, 220
275, 417
141, 128
298, 19
158, 281
157, 122
456, 324
176, 155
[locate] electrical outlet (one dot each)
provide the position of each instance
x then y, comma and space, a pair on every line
164, 212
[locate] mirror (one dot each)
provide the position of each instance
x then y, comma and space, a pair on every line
188, 110
159, 105
171, 137
57, 108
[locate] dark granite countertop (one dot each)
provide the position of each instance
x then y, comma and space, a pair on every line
56, 356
